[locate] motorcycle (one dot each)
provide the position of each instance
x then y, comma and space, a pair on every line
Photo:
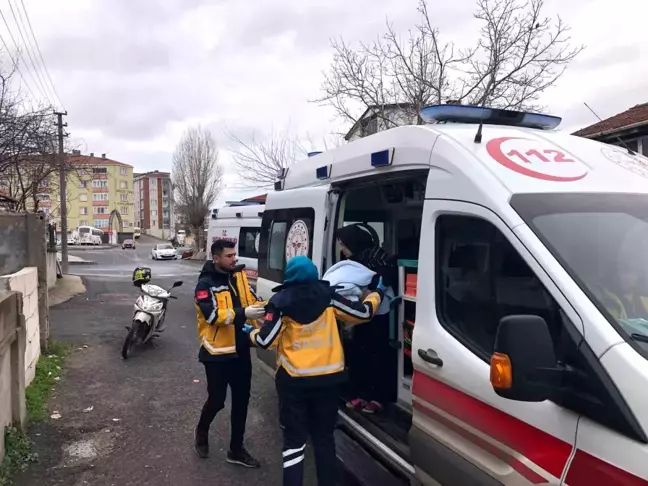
148, 316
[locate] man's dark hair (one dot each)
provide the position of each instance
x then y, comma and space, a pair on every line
219, 245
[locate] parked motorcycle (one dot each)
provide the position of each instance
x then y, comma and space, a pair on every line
148, 316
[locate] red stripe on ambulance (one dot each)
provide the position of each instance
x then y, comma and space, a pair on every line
587, 470
545, 450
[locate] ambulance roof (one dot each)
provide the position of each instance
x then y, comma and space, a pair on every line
510, 159
233, 212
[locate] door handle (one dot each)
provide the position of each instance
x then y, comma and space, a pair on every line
430, 356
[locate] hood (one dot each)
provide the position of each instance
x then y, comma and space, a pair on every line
209, 269
303, 303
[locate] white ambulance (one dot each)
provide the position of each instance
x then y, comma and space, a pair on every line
521, 339
241, 224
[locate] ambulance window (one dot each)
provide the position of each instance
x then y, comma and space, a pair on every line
248, 242
482, 279
276, 227
276, 247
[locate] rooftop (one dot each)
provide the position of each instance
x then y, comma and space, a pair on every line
157, 173
631, 118
77, 159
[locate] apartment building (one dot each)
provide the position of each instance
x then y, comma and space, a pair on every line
154, 204
96, 187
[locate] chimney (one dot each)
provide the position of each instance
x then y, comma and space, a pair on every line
91, 154
76, 152
103, 156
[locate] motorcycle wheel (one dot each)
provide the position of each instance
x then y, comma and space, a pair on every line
129, 342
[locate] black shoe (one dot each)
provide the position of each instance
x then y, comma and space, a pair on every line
201, 443
242, 458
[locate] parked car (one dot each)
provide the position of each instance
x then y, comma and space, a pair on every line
163, 251
128, 244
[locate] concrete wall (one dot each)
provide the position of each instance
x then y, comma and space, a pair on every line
51, 268
26, 282
23, 243
12, 369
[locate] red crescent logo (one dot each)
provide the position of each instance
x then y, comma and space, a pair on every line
494, 149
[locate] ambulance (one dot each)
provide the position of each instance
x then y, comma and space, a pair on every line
520, 338
240, 223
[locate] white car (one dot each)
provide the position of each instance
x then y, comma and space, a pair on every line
163, 251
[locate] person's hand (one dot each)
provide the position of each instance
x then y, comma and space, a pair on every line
247, 328
254, 312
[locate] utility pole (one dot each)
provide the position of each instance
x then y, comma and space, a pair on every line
63, 192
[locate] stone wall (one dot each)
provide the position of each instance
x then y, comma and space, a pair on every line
26, 282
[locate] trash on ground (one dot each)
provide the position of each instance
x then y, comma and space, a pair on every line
55, 416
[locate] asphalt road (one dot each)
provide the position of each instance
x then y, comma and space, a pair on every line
140, 428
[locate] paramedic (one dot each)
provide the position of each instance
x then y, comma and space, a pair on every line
302, 316
223, 301
628, 300
372, 363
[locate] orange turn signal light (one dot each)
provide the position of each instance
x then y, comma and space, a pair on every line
501, 372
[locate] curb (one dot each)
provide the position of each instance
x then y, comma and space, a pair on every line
87, 262
87, 248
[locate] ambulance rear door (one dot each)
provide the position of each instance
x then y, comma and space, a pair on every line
295, 222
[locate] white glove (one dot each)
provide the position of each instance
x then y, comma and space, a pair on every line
254, 312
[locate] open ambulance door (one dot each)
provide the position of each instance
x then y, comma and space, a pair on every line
295, 222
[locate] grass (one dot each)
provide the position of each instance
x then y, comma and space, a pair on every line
18, 452
47, 371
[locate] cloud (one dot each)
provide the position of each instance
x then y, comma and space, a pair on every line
134, 74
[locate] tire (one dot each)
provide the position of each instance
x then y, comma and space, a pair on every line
129, 342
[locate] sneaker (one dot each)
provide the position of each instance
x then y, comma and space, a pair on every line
372, 407
201, 443
242, 458
356, 404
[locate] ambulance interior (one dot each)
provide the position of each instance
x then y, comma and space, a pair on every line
380, 351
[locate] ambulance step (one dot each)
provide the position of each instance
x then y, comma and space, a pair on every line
363, 469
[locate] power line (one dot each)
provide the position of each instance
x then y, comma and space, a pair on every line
41, 55
20, 54
15, 63
29, 48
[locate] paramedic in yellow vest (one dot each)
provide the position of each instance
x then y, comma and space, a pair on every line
302, 318
224, 301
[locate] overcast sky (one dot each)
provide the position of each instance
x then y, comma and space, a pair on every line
133, 74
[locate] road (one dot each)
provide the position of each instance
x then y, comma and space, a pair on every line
140, 428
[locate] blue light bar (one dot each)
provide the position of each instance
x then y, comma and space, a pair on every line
488, 116
323, 172
382, 158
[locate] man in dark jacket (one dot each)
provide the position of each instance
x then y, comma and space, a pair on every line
224, 301
302, 318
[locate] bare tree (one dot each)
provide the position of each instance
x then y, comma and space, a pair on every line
260, 159
518, 55
197, 176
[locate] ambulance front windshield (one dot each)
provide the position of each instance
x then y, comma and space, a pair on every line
601, 239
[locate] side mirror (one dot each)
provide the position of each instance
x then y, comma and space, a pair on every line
523, 361
177, 283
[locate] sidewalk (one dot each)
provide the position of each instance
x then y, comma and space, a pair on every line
75, 260
131, 422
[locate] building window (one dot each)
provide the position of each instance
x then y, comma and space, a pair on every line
83, 184
43, 197
83, 210
123, 171
100, 184
84, 222
123, 184
83, 198
100, 210
100, 223
124, 197
100, 170
124, 210
102, 196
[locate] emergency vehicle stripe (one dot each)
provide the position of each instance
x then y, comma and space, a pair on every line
521, 468
545, 450
587, 470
